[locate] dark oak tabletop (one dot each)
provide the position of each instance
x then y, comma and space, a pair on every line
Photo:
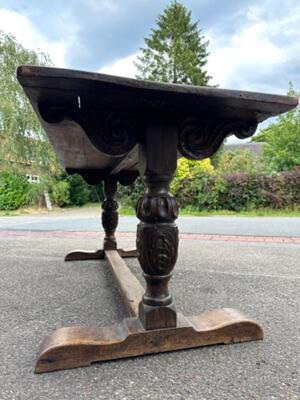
145, 95
96, 121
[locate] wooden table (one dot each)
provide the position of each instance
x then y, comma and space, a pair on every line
114, 129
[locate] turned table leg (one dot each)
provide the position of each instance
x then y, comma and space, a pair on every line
157, 234
109, 219
110, 216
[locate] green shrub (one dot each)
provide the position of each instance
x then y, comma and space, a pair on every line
291, 186
96, 193
14, 190
242, 192
36, 195
209, 197
282, 190
69, 190
238, 161
79, 192
186, 169
59, 193
190, 188
129, 195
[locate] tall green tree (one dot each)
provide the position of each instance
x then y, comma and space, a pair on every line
175, 49
281, 149
23, 143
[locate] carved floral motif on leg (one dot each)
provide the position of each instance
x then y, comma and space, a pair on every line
157, 245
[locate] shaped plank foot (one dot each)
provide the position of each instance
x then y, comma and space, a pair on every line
81, 346
81, 255
127, 253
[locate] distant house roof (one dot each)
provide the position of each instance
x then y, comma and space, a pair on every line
254, 148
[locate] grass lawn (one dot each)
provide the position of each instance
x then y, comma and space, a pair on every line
263, 212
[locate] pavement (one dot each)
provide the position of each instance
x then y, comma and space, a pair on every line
39, 292
83, 221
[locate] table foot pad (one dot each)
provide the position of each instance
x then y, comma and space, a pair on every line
81, 346
81, 255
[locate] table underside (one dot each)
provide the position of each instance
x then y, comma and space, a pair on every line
98, 123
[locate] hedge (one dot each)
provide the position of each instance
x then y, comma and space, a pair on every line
205, 190
64, 190
240, 191
14, 190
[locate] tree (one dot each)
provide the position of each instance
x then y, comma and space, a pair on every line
24, 144
176, 51
237, 161
281, 150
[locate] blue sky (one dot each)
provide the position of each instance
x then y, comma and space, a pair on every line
254, 44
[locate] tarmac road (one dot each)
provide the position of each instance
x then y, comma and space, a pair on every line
80, 221
39, 292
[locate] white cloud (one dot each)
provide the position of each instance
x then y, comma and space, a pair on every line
20, 27
250, 58
122, 67
249, 50
263, 47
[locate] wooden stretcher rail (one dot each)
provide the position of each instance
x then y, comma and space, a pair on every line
129, 287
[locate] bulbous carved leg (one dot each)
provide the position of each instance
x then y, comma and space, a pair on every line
157, 233
110, 215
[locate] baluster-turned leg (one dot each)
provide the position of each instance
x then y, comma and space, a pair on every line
110, 215
110, 219
157, 234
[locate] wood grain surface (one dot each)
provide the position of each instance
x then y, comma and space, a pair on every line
81, 346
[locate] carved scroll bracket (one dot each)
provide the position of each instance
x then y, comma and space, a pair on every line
199, 139
112, 133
